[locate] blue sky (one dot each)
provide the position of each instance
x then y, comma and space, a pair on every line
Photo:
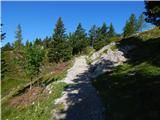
38, 19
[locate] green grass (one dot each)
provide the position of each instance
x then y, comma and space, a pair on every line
131, 91
41, 110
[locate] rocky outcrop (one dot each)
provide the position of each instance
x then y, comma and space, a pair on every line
102, 62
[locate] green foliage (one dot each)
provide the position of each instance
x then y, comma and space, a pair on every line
132, 84
111, 32
152, 12
59, 49
81, 40
152, 33
46, 42
18, 42
141, 23
89, 51
40, 110
78, 40
101, 37
33, 57
114, 39
93, 34
3, 66
99, 44
130, 26
38, 42
7, 47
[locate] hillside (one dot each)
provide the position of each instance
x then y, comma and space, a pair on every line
131, 91
125, 74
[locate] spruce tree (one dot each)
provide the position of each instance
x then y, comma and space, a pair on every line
59, 49
152, 12
93, 35
81, 40
130, 26
104, 29
18, 42
111, 31
140, 23
102, 37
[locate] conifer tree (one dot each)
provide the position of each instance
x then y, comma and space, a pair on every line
59, 49
81, 40
93, 35
18, 42
140, 23
111, 31
152, 12
130, 26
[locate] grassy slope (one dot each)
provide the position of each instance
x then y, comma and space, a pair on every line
131, 91
43, 111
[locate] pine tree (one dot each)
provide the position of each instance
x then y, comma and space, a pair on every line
130, 26
111, 31
104, 29
38, 42
93, 35
59, 49
81, 40
18, 42
126, 29
140, 23
152, 12
59, 32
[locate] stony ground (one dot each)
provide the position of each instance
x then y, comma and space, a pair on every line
80, 99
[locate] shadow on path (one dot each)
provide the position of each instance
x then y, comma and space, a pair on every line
82, 99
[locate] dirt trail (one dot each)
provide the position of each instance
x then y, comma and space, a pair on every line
80, 99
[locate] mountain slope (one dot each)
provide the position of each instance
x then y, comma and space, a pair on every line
131, 91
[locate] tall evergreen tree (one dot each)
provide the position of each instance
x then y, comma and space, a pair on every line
59, 32
104, 29
59, 48
81, 40
102, 36
133, 23
93, 34
111, 31
152, 12
130, 26
18, 42
140, 23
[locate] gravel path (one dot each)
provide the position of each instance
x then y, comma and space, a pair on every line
80, 99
